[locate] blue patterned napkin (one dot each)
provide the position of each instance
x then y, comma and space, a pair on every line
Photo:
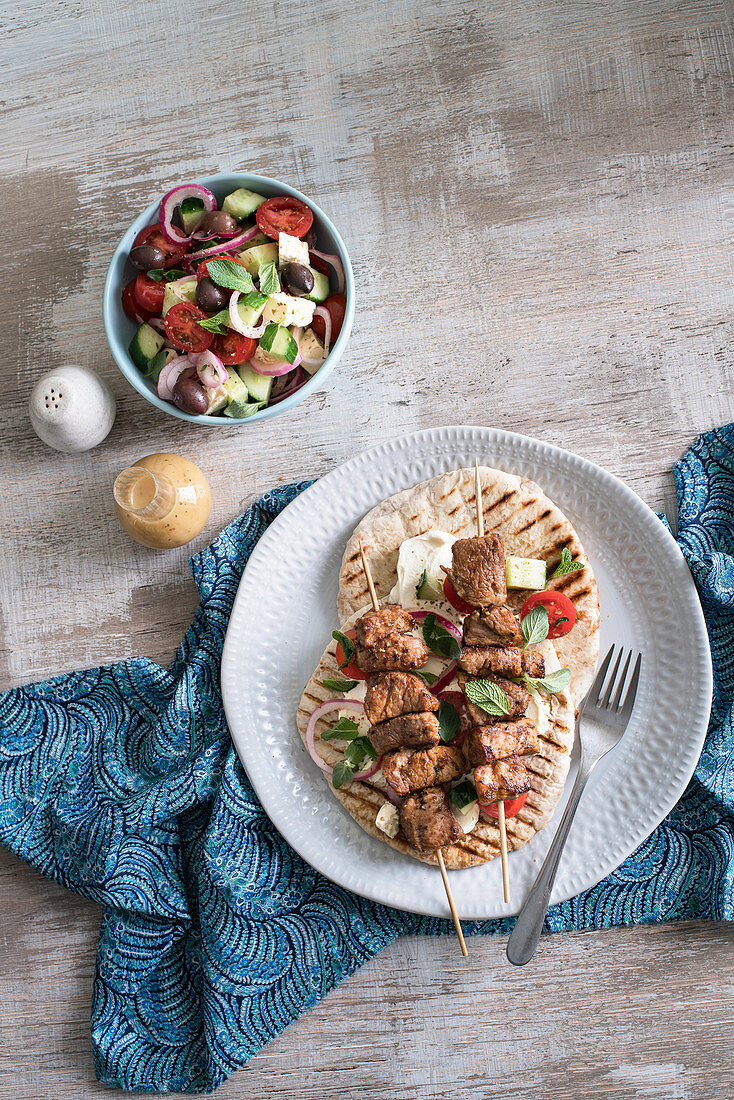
121, 784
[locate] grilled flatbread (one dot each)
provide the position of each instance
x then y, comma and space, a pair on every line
530, 524
364, 799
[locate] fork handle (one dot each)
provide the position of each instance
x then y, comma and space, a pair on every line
529, 924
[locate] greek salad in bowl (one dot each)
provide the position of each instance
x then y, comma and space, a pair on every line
236, 306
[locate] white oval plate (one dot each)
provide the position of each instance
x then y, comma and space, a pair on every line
285, 611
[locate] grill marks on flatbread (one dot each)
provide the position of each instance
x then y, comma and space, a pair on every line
531, 527
363, 800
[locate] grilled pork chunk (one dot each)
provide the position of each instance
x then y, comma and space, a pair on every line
411, 770
479, 660
398, 651
478, 570
427, 821
503, 779
492, 626
390, 694
374, 625
518, 697
410, 730
487, 744
533, 664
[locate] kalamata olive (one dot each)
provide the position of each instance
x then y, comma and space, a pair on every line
189, 395
146, 257
210, 296
218, 221
298, 278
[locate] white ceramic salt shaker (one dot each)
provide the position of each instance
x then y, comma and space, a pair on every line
72, 408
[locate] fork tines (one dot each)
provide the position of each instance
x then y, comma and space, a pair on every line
622, 702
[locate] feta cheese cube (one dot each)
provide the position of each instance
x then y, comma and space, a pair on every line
388, 819
291, 250
312, 350
286, 310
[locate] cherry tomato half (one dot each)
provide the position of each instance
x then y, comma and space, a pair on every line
152, 235
336, 307
203, 270
149, 293
454, 599
351, 670
561, 612
512, 806
130, 305
182, 328
232, 347
284, 214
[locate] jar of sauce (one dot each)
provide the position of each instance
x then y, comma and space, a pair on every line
162, 501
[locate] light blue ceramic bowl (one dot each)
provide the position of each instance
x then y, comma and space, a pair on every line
120, 330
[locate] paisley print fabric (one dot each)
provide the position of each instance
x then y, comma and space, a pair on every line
120, 783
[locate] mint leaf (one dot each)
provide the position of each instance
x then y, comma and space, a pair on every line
439, 640
566, 564
535, 626
428, 678
218, 323
228, 274
340, 685
158, 274
156, 364
347, 647
359, 751
344, 730
463, 794
241, 412
487, 695
269, 280
255, 300
342, 774
554, 681
449, 721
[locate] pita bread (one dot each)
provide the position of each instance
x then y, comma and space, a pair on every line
364, 799
530, 524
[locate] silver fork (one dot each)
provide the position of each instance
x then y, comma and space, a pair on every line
601, 730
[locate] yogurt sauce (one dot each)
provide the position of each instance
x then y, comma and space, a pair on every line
424, 552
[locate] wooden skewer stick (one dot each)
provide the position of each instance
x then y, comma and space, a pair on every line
439, 853
500, 802
452, 907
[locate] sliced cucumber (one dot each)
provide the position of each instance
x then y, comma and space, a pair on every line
182, 292
237, 391
252, 258
192, 211
241, 203
524, 573
258, 385
321, 288
429, 588
279, 343
144, 346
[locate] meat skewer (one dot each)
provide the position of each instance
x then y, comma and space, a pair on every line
429, 802
500, 801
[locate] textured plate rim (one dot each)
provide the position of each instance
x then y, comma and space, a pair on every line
697, 722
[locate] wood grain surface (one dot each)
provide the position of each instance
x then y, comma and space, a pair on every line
537, 201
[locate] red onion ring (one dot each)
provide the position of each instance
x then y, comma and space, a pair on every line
444, 679
170, 201
237, 323
169, 376
300, 379
452, 628
329, 705
393, 795
325, 316
211, 370
228, 246
337, 265
275, 369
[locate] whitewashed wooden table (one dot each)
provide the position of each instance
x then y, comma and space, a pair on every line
535, 200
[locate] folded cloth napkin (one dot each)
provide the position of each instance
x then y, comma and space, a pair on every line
121, 783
